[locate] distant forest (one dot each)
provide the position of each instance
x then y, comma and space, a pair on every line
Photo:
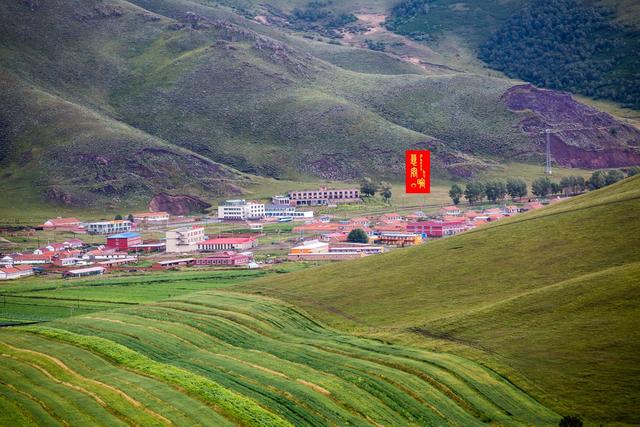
560, 44
563, 44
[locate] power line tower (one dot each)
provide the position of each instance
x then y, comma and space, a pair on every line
547, 166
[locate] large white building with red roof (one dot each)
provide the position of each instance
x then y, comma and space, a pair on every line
227, 243
9, 273
63, 224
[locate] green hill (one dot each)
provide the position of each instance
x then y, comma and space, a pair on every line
205, 81
224, 358
550, 298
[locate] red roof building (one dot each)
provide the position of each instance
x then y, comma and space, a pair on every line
227, 243
227, 258
123, 241
63, 224
436, 228
398, 227
390, 217
361, 221
451, 211
9, 273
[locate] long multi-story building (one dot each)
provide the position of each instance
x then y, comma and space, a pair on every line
227, 243
240, 210
108, 227
437, 228
324, 196
184, 239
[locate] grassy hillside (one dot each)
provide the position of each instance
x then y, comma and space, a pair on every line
551, 297
230, 358
202, 80
75, 156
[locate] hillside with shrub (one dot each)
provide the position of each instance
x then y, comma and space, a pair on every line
231, 99
585, 47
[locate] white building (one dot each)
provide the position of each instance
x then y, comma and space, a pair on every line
241, 210
281, 200
108, 227
184, 239
151, 218
9, 273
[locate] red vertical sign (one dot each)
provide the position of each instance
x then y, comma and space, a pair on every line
418, 171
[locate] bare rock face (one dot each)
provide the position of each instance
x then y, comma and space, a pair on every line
178, 204
581, 136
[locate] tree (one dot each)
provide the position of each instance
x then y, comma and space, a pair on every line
130, 218
358, 235
568, 183
580, 185
474, 192
118, 217
495, 190
556, 188
598, 180
516, 187
541, 187
385, 191
368, 188
570, 421
455, 193
634, 170
613, 176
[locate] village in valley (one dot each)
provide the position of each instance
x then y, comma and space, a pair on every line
298, 227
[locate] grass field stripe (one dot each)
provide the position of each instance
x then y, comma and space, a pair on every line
234, 405
45, 408
122, 394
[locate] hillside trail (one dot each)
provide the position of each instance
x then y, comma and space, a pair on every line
397, 46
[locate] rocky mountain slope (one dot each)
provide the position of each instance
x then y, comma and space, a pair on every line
153, 95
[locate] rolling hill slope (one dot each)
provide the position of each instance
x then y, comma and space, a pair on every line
548, 297
233, 359
204, 79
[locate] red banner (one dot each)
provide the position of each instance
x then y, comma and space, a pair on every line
418, 171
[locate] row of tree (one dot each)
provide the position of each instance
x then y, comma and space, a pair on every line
497, 190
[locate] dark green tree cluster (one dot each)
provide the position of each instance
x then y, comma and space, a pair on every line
569, 45
543, 187
318, 15
601, 178
572, 185
369, 188
358, 235
494, 190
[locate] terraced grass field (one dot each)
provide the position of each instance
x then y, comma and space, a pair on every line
40, 299
218, 357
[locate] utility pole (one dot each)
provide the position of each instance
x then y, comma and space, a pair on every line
547, 169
